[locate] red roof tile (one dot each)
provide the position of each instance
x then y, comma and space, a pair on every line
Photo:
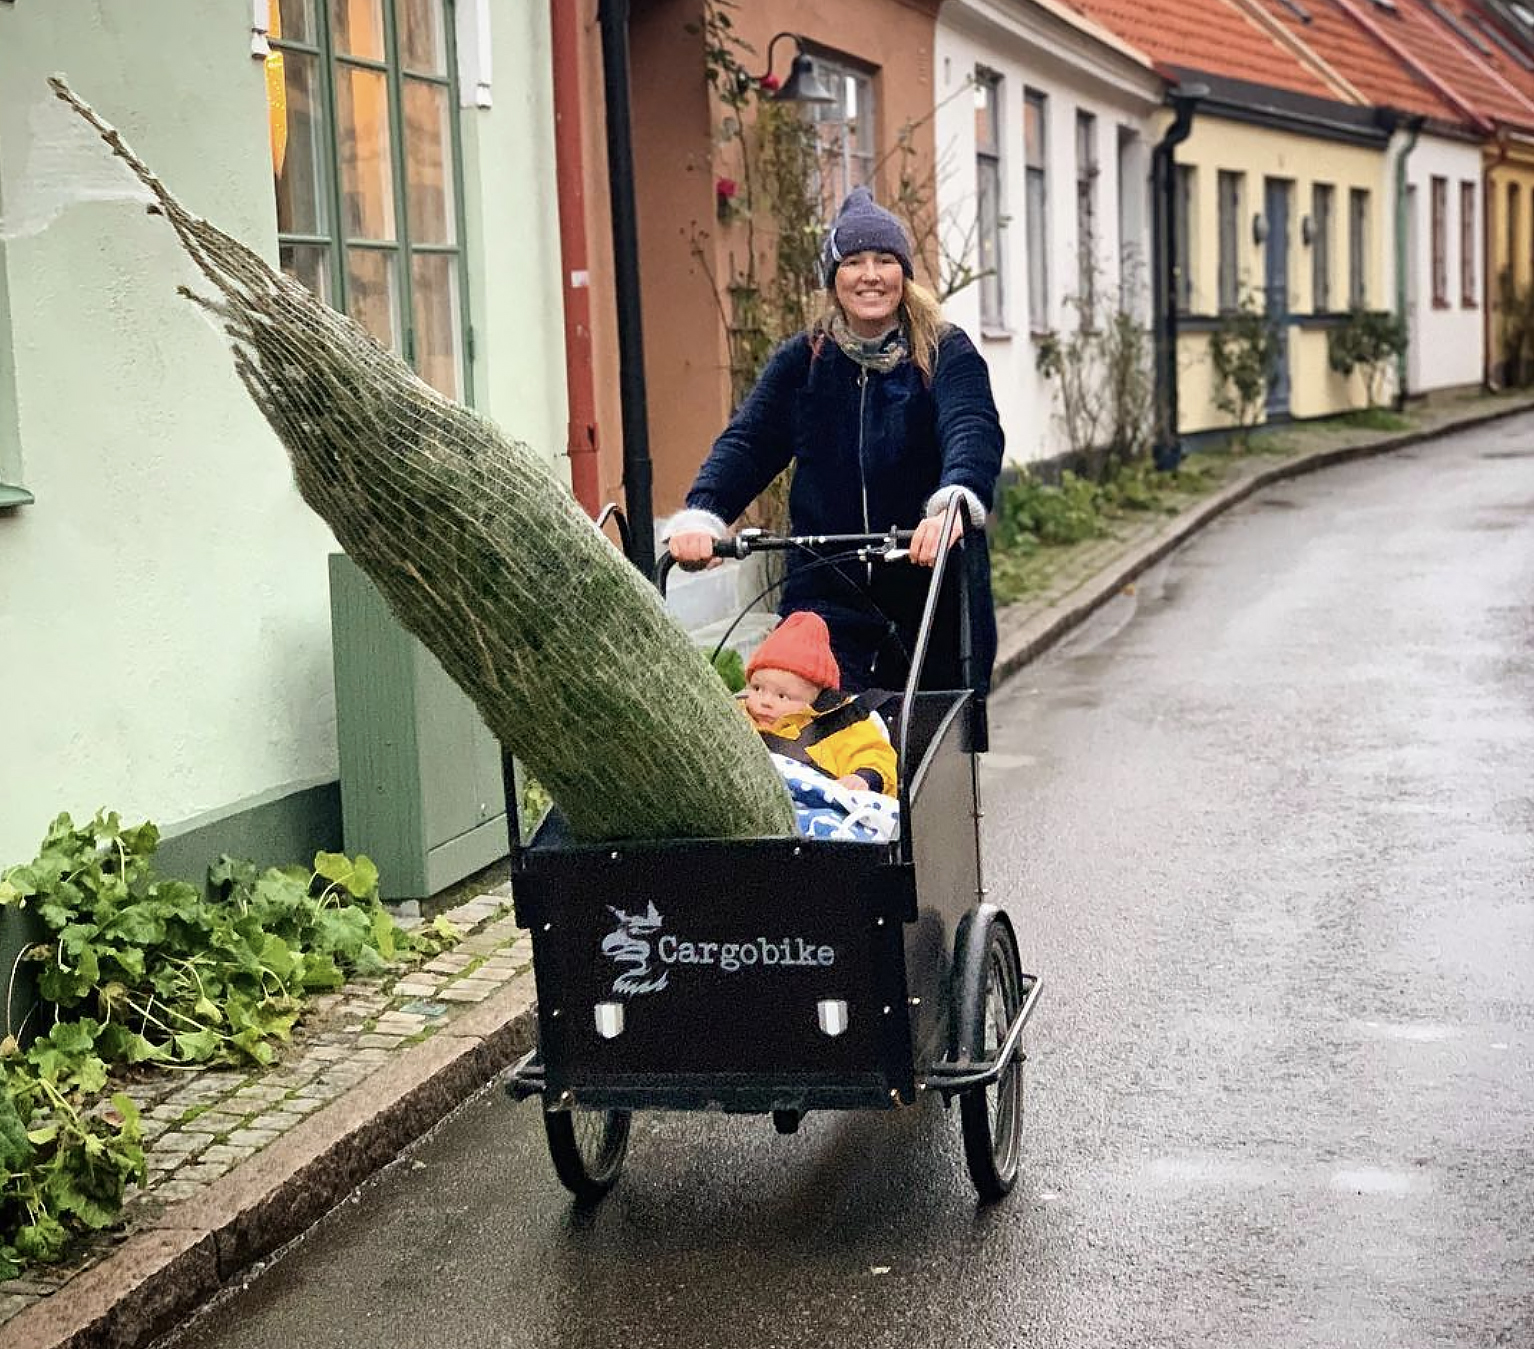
1364, 62
1207, 35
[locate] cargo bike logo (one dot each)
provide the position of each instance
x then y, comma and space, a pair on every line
645, 955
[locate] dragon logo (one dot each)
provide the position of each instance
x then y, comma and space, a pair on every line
628, 946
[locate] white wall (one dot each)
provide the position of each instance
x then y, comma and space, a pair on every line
1447, 344
1033, 47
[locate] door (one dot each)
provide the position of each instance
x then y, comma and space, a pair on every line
1276, 288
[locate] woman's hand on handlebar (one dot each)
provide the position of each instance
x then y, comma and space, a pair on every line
928, 539
693, 549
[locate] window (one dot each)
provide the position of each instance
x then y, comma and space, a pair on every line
1131, 184
1512, 233
1086, 211
363, 100
1439, 206
1182, 231
1321, 198
845, 129
12, 493
1358, 247
1467, 297
988, 197
1231, 189
1035, 157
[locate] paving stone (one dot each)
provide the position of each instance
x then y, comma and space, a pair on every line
173, 1191
379, 1041
425, 1009
319, 1092
11, 1303
257, 1096
368, 1054
448, 963
226, 1153
251, 1138
406, 1022
176, 1143
203, 1124
202, 1172
418, 988
468, 990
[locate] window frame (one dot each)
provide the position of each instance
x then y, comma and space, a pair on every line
402, 249
1359, 206
1184, 214
1036, 223
834, 68
1088, 170
1323, 224
1468, 298
1230, 205
1438, 232
988, 168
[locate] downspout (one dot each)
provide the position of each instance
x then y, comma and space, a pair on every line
1167, 450
1490, 279
569, 171
613, 15
1413, 128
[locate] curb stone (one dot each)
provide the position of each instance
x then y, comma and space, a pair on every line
180, 1257
1034, 627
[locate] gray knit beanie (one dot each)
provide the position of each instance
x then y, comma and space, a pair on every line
863, 226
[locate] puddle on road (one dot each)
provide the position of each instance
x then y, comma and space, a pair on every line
1373, 1180
1423, 1032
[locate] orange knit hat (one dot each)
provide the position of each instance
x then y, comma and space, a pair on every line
800, 644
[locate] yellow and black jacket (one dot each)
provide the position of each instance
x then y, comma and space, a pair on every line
839, 734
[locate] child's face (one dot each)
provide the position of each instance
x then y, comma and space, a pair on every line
771, 694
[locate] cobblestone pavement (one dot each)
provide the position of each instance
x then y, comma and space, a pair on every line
228, 1149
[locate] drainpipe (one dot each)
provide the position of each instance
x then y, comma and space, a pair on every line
1413, 127
613, 15
1167, 450
581, 438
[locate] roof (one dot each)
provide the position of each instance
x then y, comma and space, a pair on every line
1209, 35
1367, 64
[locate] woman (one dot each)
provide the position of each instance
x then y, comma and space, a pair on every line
886, 414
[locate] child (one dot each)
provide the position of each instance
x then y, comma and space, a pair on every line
791, 696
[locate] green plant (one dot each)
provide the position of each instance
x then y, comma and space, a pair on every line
732, 669
1368, 341
164, 975
63, 1167
1515, 310
1243, 350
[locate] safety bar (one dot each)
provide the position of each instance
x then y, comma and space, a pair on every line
950, 1078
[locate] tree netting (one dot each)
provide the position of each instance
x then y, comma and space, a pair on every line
566, 650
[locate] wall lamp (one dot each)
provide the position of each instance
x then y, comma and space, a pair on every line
803, 85
1259, 228
1308, 230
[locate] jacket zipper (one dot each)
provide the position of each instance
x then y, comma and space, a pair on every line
862, 470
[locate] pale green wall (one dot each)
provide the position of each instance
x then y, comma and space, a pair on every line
513, 242
164, 604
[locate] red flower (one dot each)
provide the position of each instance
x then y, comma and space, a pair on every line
725, 187
770, 82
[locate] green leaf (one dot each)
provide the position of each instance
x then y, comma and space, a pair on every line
197, 1046
120, 1044
42, 1240
358, 878
384, 929
320, 971
46, 1134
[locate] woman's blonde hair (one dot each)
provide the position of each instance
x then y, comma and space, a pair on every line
920, 315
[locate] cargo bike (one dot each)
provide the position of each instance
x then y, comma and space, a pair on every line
783, 975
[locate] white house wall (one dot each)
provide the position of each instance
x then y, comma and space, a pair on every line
1032, 48
1447, 341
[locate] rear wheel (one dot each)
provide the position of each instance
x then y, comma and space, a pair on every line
588, 1147
992, 1116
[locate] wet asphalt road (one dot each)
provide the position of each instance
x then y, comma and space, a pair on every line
1265, 825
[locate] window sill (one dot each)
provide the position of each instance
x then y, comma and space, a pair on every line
1468, 304
996, 334
1041, 334
1442, 304
12, 496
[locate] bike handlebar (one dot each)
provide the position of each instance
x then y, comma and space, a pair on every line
890, 546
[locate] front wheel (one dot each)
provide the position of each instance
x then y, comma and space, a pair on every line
587, 1147
992, 1116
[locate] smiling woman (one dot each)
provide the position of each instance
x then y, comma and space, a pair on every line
885, 414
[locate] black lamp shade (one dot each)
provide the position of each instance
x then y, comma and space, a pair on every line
803, 85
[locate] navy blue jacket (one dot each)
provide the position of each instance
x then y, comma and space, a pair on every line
868, 449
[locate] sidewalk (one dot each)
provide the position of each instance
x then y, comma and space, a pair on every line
241, 1162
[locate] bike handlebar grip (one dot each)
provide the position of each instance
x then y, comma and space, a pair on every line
727, 547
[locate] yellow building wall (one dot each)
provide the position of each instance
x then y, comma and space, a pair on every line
1510, 248
1261, 153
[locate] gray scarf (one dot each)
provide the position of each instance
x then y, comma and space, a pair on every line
881, 354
